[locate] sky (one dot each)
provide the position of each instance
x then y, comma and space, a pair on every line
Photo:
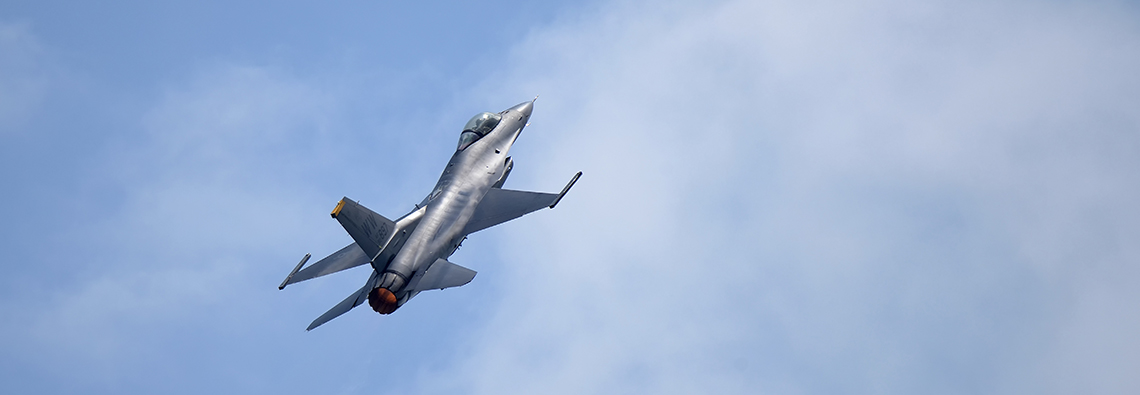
779, 197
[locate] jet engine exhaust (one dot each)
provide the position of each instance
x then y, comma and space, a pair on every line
382, 301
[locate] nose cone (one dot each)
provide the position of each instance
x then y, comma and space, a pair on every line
524, 108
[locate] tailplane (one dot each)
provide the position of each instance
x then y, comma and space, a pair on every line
441, 274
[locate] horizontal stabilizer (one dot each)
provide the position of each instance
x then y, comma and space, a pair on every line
356, 299
347, 258
371, 231
443, 274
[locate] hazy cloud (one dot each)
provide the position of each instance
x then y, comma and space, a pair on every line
779, 197
23, 74
820, 197
201, 204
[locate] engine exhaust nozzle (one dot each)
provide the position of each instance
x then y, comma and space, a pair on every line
382, 301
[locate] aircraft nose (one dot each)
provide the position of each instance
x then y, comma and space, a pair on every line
524, 108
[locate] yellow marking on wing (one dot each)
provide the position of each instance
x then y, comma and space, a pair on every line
339, 205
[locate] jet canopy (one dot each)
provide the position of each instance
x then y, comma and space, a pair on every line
477, 127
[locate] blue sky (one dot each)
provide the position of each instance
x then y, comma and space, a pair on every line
779, 197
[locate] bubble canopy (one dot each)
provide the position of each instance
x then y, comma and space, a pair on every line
477, 127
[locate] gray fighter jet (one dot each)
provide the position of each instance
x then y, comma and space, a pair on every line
410, 254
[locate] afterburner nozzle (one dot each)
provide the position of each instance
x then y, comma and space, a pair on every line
382, 301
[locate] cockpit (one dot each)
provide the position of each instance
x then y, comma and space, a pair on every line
477, 127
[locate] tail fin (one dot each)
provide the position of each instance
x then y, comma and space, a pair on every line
371, 231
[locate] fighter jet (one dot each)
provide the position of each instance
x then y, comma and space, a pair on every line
409, 255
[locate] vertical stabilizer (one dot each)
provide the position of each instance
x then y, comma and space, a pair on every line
370, 230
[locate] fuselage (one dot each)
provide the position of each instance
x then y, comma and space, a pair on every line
471, 172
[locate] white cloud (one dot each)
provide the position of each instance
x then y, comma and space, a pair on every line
813, 197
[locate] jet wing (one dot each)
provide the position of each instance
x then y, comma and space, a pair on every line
356, 299
347, 258
502, 205
371, 231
